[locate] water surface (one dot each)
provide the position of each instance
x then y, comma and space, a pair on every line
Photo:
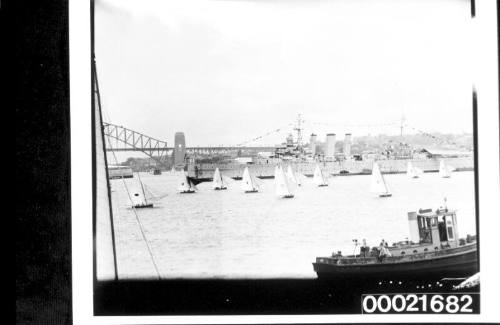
230, 234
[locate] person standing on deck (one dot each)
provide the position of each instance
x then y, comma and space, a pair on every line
364, 248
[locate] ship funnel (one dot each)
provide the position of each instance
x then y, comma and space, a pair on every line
347, 145
312, 144
413, 225
330, 145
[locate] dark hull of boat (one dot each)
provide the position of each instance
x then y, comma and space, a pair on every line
220, 188
187, 192
142, 206
255, 191
322, 185
288, 196
456, 265
385, 195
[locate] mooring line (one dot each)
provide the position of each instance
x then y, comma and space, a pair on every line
141, 227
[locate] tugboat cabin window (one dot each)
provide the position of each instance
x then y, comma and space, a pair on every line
433, 222
424, 225
449, 228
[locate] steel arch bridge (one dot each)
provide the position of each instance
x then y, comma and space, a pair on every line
129, 140
120, 138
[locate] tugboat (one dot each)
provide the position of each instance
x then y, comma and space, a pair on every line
434, 251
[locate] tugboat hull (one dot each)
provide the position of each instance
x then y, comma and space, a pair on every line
425, 267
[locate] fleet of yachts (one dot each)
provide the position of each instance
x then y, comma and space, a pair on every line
286, 182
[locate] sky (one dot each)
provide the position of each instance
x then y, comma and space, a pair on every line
227, 71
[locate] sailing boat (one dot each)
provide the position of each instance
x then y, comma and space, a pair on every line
413, 172
444, 170
378, 182
291, 176
218, 182
186, 185
137, 196
284, 188
249, 184
318, 177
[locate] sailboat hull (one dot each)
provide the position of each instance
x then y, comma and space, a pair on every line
220, 188
288, 196
385, 195
142, 206
322, 185
187, 192
252, 191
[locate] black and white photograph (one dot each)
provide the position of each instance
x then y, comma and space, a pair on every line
288, 158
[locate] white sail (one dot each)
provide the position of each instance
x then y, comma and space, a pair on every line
284, 188
292, 177
412, 171
248, 183
378, 184
137, 193
218, 181
318, 177
409, 170
444, 170
185, 185
137, 197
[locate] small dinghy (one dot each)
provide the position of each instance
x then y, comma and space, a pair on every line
318, 177
249, 184
137, 195
413, 172
379, 185
218, 182
284, 188
444, 169
292, 177
186, 185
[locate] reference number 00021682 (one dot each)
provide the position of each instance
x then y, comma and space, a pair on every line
424, 303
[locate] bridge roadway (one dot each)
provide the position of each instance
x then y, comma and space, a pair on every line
199, 149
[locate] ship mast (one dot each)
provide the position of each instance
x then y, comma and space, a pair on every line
298, 128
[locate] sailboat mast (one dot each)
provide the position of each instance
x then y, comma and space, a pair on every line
142, 188
96, 93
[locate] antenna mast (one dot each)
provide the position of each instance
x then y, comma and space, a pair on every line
298, 128
402, 126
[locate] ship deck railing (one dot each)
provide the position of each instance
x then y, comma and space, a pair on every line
410, 257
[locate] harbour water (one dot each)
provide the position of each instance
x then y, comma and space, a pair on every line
230, 234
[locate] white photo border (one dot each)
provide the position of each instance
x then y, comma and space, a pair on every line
486, 83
